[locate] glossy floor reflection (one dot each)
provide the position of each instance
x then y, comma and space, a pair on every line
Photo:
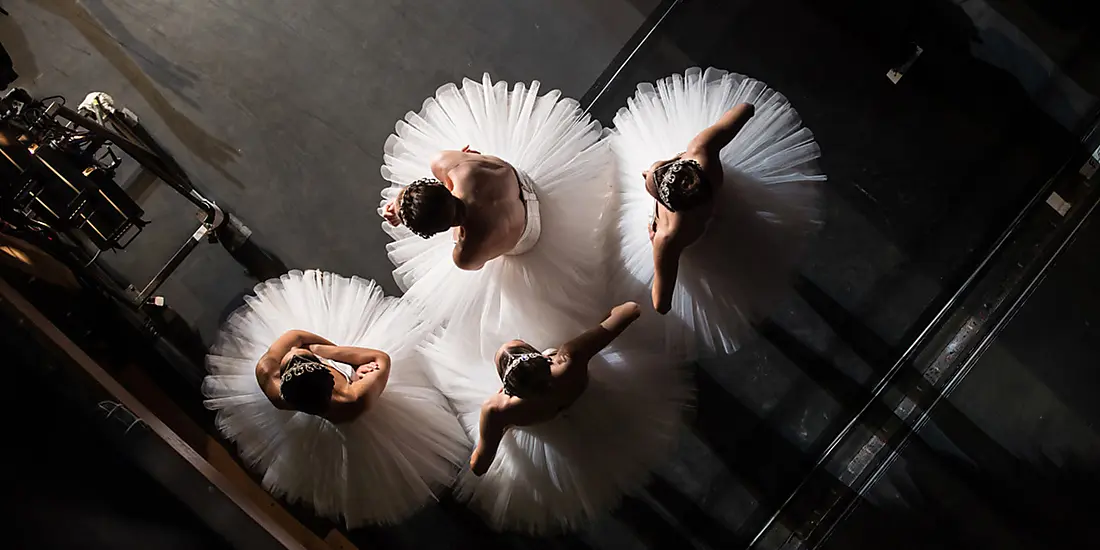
1009, 458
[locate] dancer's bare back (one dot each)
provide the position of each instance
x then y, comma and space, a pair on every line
495, 214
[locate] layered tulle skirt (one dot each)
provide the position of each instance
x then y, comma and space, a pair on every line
379, 468
769, 204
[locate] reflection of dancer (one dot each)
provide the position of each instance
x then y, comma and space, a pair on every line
565, 432
732, 193
335, 425
526, 213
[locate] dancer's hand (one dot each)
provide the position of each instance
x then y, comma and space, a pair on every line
364, 370
389, 213
467, 149
652, 229
626, 310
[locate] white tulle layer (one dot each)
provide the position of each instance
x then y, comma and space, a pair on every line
379, 468
769, 204
551, 140
560, 475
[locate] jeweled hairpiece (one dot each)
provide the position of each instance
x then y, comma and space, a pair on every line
298, 366
519, 360
403, 215
669, 175
515, 379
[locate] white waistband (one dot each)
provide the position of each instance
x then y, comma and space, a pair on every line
344, 368
532, 226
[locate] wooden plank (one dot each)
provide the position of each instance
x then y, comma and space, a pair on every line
337, 541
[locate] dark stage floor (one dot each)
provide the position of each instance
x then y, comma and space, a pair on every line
279, 110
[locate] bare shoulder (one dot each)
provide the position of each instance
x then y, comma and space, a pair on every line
673, 239
709, 160
565, 360
571, 374
461, 172
267, 366
499, 403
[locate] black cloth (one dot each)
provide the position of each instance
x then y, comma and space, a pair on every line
7, 70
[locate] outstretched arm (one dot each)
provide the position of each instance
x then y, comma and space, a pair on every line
710, 141
267, 369
666, 263
501, 412
584, 347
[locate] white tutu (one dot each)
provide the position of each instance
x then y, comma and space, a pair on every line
769, 203
564, 473
379, 468
550, 140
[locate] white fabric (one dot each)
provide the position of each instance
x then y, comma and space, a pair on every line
532, 223
345, 369
379, 468
562, 474
550, 140
769, 203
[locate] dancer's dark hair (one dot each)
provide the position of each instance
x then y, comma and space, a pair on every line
524, 371
306, 384
682, 185
427, 207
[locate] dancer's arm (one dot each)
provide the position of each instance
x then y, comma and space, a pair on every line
351, 355
267, 369
465, 254
584, 347
710, 141
372, 366
666, 262
501, 412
